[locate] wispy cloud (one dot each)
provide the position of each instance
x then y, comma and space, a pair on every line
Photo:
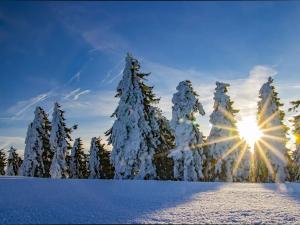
75, 94
81, 93
104, 39
76, 77
114, 73
98, 33
21, 107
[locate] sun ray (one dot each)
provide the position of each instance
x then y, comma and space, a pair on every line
264, 107
218, 140
249, 130
273, 150
265, 159
227, 114
275, 138
240, 157
261, 125
232, 149
274, 128
225, 127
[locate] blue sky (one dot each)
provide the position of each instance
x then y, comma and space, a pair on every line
73, 52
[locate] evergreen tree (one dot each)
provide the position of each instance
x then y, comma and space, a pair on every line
60, 138
99, 163
271, 155
78, 168
188, 155
131, 134
14, 162
37, 154
165, 142
2, 162
224, 145
295, 164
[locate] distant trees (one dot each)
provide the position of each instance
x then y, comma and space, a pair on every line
78, 161
188, 155
13, 162
2, 162
99, 162
165, 142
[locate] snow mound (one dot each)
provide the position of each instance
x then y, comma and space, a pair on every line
36, 201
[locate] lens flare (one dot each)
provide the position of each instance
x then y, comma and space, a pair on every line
249, 130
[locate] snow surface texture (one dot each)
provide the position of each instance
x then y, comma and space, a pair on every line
33, 200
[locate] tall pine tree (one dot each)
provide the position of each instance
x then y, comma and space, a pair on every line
13, 162
37, 154
131, 134
271, 154
99, 162
2, 162
188, 155
224, 145
78, 167
60, 138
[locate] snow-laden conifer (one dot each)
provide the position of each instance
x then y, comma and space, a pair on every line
2, 162
37, 154
78, 167
224, 145
131, 134
13, 162
188, 155
165, 143
295, 167
99, 162
271, 154
60, 143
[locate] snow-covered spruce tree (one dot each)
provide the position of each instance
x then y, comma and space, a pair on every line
163, 134
60, 138
223, 143
188, 155
2, 162
295, 164
131, 134
271, 154
13, 162
37, 154
99, 162
78, 167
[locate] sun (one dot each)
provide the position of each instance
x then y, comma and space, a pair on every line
249, 130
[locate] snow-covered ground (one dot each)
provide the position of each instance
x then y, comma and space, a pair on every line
32, 200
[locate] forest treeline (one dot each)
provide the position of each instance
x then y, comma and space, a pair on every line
146, 145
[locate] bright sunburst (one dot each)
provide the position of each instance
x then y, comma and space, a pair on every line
249, 130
